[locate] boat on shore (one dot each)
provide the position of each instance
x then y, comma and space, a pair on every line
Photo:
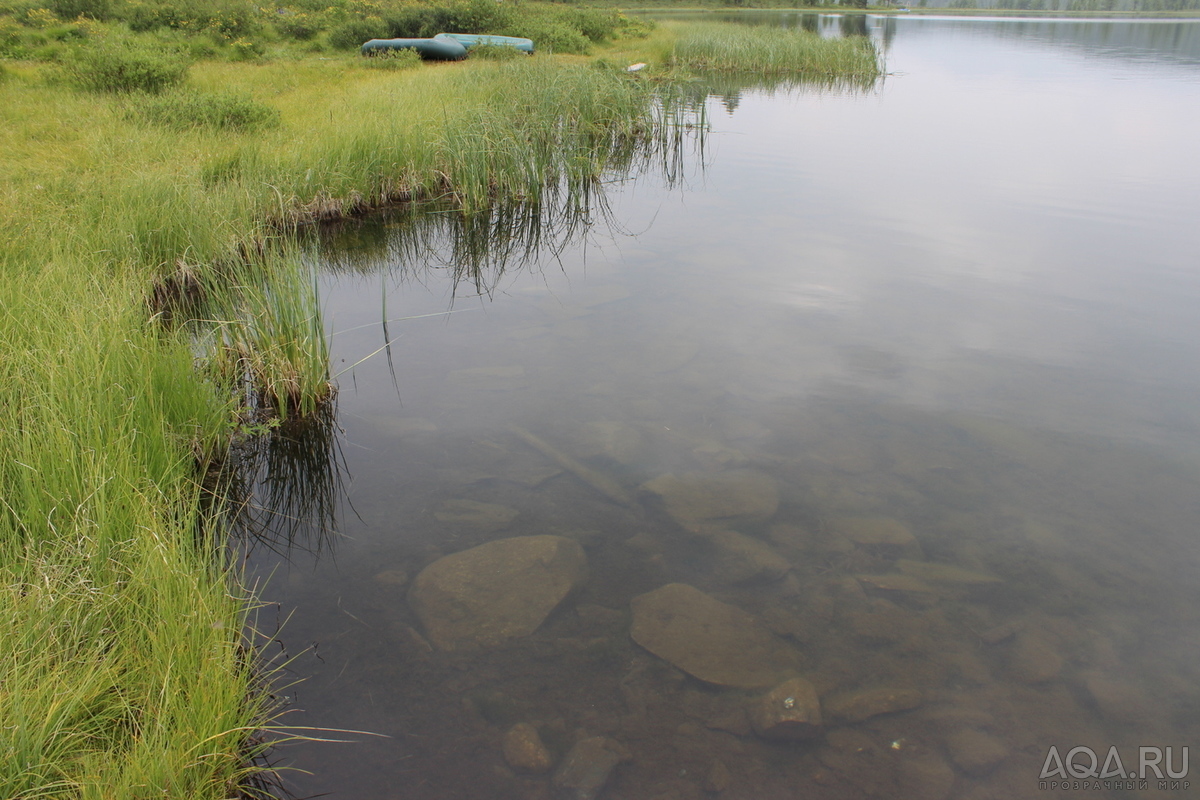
439, 48
446, 46
469, 40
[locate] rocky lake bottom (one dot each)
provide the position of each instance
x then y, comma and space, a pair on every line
954, 597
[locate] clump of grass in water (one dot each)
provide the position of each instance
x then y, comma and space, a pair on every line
548, 127
270, 343
772, 51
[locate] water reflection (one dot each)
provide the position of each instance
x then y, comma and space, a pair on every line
905, 396
283, 490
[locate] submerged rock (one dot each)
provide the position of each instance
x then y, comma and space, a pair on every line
975, 752
392, 577
498, 591
943, 573
743, 559
862, 704
789, 711
1116, 700
710, 640
1033, 659
524, 750
700, 496
717, 779
924, 777
873, 531
1003, 632
896, 582
586, 768
490, 516
619, 441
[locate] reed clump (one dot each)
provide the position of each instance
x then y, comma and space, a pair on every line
771, 51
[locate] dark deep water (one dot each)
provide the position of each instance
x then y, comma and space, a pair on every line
935, 345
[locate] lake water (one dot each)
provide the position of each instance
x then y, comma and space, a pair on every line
910, 376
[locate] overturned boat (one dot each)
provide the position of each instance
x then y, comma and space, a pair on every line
469, 40
446, 46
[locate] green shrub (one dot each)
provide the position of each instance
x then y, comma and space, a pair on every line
125, 66
246, 50
477, 16
202, 47
10, 36
354, 33
183, 110
47, 52
151, 16
230, 19
73, 9
550, 36
300, 26
420, 22
392, 60
594, 23
66, 33
37, 17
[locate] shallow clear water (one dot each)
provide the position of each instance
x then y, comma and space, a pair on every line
964, 303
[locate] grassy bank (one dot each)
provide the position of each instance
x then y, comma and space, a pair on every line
153, 311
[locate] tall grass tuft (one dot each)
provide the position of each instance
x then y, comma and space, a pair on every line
120, 65
122, 665
180, 110
269, 343
391, 60
772, 51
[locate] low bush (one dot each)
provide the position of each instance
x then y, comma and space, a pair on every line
298, 25
594, 23
551, 36
355, 32
420, 22
125, 66
243, 49
182, 110
73, 9
10, 36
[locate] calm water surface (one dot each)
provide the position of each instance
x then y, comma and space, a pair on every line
927, 360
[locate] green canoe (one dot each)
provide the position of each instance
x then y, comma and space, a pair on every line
469, 40
439, 48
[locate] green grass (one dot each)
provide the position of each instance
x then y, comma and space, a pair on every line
185, 109
771, 51
121, 672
